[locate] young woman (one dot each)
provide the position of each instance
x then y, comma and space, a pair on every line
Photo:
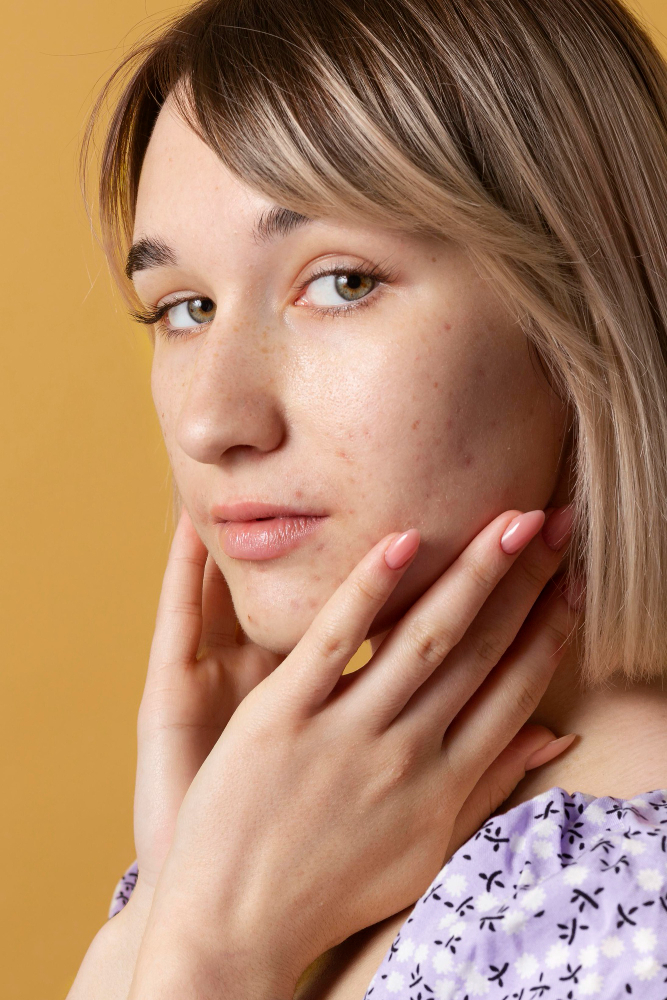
405, 264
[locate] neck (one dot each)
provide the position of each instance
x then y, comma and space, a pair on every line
621, 727
621, 748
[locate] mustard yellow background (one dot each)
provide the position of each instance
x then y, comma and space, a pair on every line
85, 504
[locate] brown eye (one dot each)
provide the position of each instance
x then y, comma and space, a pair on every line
201, 310
353, 286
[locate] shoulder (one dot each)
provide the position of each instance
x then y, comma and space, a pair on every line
562, 896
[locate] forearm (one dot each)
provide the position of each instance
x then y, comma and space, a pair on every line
108, 967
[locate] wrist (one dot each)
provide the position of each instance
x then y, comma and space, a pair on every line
180, 961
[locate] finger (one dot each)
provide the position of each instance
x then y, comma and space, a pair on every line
219, 621
511, 693
438, 620
179, 615
314, 666
501, 778
451, 685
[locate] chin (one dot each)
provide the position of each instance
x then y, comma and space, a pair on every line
279, 629
273, 632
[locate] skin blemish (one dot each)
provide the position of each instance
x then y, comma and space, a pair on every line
416, 425
435, 385
447, 326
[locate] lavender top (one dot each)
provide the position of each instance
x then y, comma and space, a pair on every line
561, 898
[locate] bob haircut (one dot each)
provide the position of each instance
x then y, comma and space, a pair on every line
531, 132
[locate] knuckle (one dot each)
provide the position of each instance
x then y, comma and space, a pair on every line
428, 647
526, 699
483, 574
489, 648
330, 644
370, 590
555, 635
534, 574
400, 763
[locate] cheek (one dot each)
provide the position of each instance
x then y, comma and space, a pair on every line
168, 389
458, 423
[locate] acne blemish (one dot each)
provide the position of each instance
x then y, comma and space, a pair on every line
447, 326
416, 425
435, 385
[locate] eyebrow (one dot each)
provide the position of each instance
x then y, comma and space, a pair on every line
276, 221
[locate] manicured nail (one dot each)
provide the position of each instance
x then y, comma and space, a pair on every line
401, 549
548, 752
558, 527
520, 531
574, 592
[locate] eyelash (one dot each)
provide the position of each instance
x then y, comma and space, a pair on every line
154, 317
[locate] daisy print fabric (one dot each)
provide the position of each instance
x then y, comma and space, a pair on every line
563, 897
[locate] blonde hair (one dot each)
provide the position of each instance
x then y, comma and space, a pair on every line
533, 133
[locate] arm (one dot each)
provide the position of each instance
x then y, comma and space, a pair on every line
108, 967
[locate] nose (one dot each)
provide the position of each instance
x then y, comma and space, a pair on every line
232, 399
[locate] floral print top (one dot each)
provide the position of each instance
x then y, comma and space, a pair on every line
561, 898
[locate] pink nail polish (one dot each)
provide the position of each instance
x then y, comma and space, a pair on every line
401, 549
548, 752
521, 530
558, 527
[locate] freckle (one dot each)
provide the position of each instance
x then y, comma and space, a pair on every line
319, 548
249, 618
312, 603
435, 385
416, 425
298, 494
433, 260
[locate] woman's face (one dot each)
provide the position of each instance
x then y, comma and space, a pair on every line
378, 404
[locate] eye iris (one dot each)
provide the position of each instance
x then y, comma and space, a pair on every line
353, 286
201, 310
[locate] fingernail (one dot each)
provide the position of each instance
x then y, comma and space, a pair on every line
574, 592
520, 531
558, 527
548, 752
401, 549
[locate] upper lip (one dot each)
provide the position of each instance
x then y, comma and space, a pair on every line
251, 510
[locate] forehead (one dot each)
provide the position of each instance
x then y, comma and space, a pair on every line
183, 182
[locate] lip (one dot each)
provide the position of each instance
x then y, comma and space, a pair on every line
256, 530
266, 539
250, 510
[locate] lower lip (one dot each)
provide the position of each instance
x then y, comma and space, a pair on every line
267, 539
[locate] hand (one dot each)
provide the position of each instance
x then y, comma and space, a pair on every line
198, 673
329, 801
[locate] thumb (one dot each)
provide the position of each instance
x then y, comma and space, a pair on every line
531, 747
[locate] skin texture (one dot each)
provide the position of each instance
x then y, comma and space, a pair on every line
422, 408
